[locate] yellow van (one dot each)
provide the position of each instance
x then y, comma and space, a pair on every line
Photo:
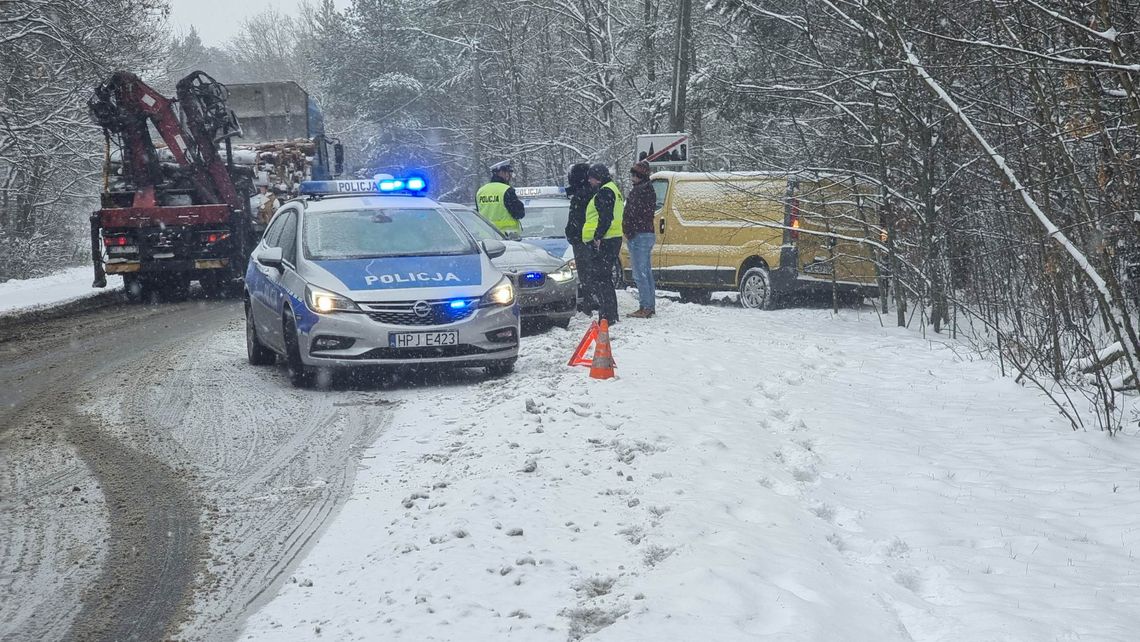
762, 234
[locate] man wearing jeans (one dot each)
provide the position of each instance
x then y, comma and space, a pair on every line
637, 225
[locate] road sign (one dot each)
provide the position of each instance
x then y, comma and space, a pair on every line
663, 149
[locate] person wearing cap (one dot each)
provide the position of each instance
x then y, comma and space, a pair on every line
602, 234
497, 201
580, 191
637, 225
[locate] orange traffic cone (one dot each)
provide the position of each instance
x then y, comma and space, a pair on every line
579, 358
603, 364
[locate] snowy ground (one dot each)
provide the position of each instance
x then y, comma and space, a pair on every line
780, 475
62, 287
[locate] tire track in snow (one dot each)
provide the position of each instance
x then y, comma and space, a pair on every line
272, 464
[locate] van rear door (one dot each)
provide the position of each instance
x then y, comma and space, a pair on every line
830, 222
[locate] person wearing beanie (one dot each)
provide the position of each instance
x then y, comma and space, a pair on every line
637, 225
580, 191
602, 234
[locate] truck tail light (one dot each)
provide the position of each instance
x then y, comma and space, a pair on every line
110, 241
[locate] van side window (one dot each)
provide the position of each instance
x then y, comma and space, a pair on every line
660, 187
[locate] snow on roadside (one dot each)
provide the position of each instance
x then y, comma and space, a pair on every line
781, 474
68, 285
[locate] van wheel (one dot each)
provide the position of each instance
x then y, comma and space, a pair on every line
692, 295
756, 289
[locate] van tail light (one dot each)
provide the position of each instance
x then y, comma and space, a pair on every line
111, 241
794, 223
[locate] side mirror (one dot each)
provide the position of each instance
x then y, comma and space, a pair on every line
271, 257
494, 249
338, 159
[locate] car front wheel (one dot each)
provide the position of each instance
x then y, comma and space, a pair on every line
258, 354
300, 375
501, 368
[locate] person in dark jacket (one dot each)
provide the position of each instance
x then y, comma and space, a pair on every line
637, 225
602, 234
580, 191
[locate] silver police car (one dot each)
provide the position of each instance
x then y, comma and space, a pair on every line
372, 273
547, 287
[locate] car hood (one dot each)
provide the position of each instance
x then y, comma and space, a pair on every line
521, 256
405, 278
555, 246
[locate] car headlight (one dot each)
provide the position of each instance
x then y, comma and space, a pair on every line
564, 273
326, 302
502, 294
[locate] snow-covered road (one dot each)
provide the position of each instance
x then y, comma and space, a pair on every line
750, 475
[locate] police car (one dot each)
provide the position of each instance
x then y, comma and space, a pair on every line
547, 210
366, 273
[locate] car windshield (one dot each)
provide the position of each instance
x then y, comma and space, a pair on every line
479, 227
373, 233
545, 219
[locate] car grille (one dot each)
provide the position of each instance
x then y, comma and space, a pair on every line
529, 280
403, 313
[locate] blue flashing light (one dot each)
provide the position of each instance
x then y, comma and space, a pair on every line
532, 277
459, 303
380, 184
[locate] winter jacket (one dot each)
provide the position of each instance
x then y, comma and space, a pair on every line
604, 200
579, 199
511, 201
640, 205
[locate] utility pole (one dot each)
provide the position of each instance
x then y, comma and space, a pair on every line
682, 54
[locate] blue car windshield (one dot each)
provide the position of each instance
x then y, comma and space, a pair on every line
545, 218
375, 233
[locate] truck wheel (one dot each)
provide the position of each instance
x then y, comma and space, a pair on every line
216, 286
133, 288
756, 289
175, 287
693, 295
300, 375
258, 354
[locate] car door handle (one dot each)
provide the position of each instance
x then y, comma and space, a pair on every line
661, 225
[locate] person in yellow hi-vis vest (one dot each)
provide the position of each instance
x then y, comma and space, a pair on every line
602, 236
498, 203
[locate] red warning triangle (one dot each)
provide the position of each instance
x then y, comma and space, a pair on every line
587, 342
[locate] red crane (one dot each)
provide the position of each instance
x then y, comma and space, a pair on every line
163, 226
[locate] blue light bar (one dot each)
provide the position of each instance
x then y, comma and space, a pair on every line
381, 184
